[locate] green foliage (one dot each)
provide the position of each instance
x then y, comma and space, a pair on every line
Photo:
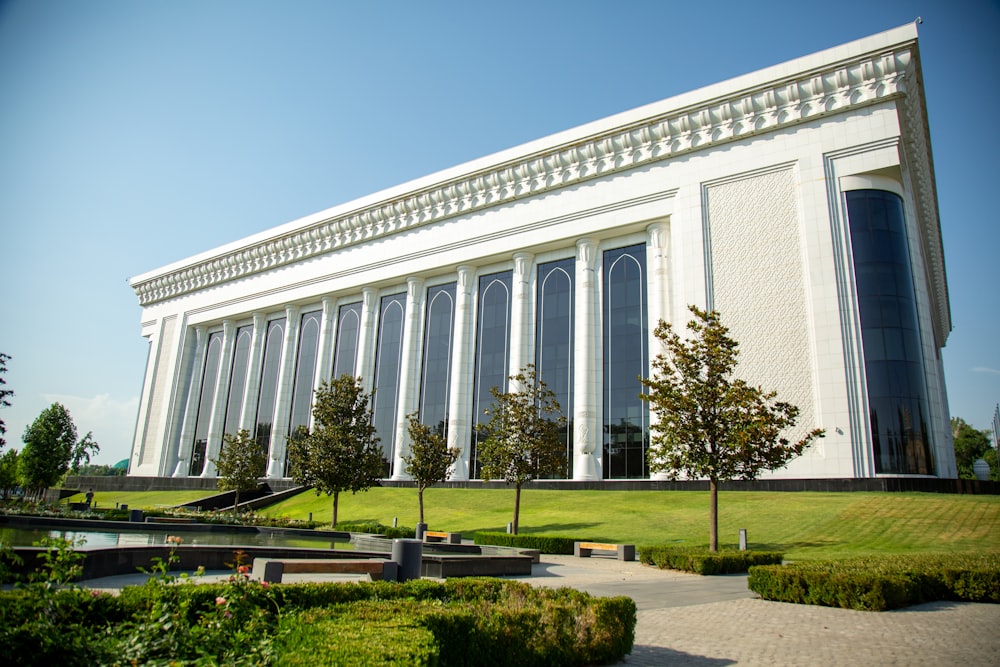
62, 564
972, 444
342, 452
524, 435
458, 622
376, 528
709, 423
82, 451
5, 394
429, 459
240, 464
879, 583
48, 449
703, 561
547, 544
8, 472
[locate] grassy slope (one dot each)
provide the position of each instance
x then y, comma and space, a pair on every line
804, 525
141, 499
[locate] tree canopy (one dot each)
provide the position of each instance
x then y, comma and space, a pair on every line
50, 448
342, 452
241, 464
429, 459
5, 394
524, 435
709, 423
972, 444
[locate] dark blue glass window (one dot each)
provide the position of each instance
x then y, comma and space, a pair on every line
268, 395
305, 370
492, 351
436, 372
626, 416
209, 379
897, 394
554, 340
388, 355
348, 328
238, 379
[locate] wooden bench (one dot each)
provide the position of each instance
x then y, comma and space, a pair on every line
171, 519
442, 536
621, 551
272, 570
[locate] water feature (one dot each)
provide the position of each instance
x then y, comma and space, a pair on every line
21, 536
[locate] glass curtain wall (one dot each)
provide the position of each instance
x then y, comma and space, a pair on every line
626, 416
492, 352
348, 328
435, 376
894, 367
388, 356
305, 374
209, 380
238, 380
554, 341
268, 394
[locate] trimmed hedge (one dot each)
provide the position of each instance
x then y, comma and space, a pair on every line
547, 544
421, 622
879, 583
703, 561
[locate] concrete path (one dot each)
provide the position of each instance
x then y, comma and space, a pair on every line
690, 620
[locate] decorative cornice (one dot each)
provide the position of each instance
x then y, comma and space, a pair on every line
835, 88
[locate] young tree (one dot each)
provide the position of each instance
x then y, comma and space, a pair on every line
241, 464
710, 424
5, 394
49, 444
341, 453
523, 437
8, 472
82, 451
429, 458
971, 444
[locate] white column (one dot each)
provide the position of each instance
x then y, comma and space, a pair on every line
286, 382
658, 288
409, 373
191, 412
327, 339
248, 414
366, 338
217, 423
460, 401
520, 315
586, 373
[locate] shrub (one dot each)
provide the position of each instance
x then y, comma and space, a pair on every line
883, 582
547, 544
703, 561
376, 528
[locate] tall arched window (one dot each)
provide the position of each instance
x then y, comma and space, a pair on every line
238, 379
305, 370
626, 416
388, 355
492, 352
348, 327
269, 383
554, 340
436, 371
210, 378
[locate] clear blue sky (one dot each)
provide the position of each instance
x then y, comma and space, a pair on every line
136, 133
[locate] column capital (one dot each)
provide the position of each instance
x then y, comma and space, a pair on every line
659, 234
414, 289
465, 275
586, 251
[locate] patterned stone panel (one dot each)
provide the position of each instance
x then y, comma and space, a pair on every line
758, 279
157, 400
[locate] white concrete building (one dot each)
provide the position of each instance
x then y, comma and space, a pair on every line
798, 200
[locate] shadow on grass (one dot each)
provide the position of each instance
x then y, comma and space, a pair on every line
556, 529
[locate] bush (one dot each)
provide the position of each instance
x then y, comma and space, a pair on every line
703, 561
375, 528
883, 582
547, 544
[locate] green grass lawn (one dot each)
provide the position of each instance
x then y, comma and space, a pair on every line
804, 525
141, 499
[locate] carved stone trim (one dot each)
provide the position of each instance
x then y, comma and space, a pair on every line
852, 83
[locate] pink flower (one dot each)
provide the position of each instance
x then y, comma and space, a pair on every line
243, 569
265, 584
220, 600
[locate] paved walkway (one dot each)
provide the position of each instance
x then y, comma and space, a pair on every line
690, 620
694, 621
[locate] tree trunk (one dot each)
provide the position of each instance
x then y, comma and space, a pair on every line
517, 505
420, 496
236, 502
336, 497
713, 514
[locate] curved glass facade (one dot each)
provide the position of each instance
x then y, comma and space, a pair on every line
554, 340
492, 351
388, 357
435, 376
894, 368
626, 416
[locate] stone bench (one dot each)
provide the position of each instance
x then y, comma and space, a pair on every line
272, 570
442, 536
620, 551
171, 519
